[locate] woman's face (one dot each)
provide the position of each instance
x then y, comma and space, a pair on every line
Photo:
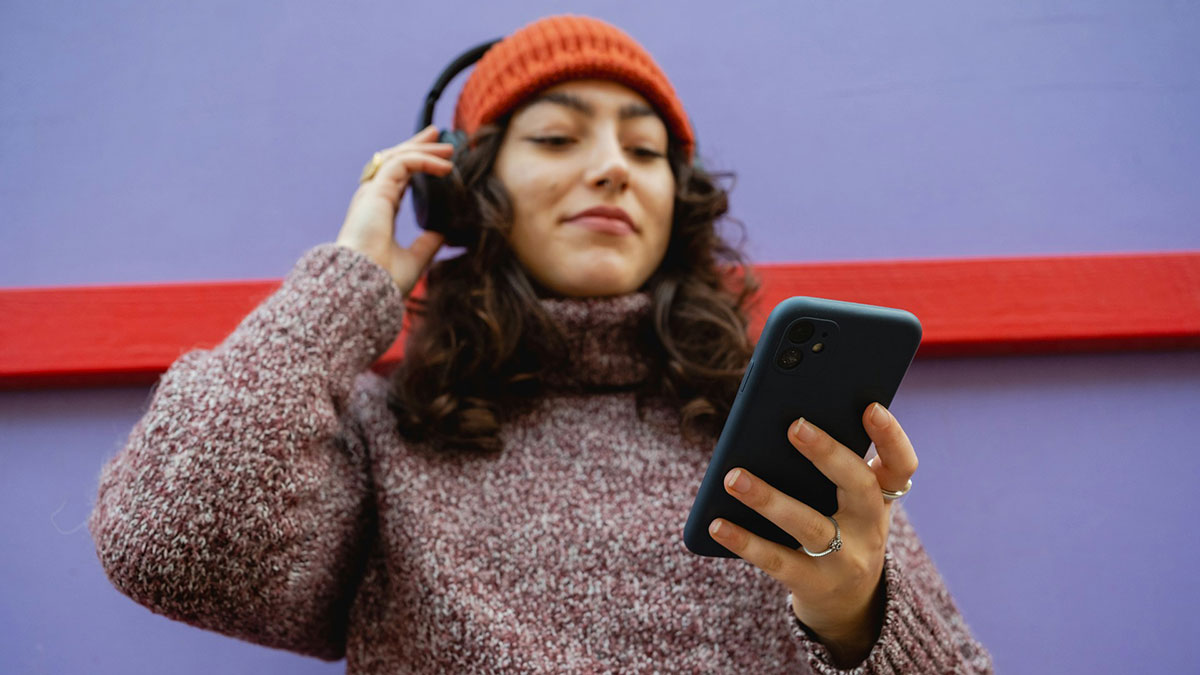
579, 145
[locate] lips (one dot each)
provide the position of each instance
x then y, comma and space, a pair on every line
607, 219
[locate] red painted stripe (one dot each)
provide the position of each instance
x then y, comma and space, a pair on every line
106, 335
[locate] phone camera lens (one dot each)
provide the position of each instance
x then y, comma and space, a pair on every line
790, 358
801, 332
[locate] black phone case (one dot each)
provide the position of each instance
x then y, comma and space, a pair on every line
866, 350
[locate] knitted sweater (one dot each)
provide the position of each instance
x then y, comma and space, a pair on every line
266, 494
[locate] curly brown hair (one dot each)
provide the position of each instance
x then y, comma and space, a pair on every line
469, 365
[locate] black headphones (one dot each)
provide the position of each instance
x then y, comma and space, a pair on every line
431, 202
429, 193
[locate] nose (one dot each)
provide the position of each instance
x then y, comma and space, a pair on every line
609, 167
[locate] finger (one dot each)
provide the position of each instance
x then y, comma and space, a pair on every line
425, 246
399, 168
782, 563
896, 460
391, 180
434, 148
840, 464
393, 155
427, 135
409, 154
430, 131
806, 525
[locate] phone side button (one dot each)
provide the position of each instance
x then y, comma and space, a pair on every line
745, 377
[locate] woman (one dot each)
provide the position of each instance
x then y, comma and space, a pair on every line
514, 498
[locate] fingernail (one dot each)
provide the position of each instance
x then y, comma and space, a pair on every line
715, 527
804, 431
738, 482
880, 417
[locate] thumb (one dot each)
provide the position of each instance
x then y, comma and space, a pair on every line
408, 264
424, 247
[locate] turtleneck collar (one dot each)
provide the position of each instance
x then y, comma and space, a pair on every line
602, 341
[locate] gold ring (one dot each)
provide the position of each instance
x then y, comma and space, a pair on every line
371, 167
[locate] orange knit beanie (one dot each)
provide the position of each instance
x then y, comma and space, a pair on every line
559, 48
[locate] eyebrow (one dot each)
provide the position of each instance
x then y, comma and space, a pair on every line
627, 111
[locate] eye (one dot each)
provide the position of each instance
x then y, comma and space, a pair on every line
553, 141
647, 153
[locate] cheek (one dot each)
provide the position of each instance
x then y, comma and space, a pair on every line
664, 204
534, 195
535, 212
664, 192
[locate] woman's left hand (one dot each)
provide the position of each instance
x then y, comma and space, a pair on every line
838, 596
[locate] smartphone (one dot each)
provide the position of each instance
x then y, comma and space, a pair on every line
823, 360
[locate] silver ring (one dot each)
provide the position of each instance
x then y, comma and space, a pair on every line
889, 495
835, 544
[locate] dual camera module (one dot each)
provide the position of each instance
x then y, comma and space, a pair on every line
799, 335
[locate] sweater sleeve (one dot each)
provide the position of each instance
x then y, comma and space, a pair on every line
923, 631
241, 500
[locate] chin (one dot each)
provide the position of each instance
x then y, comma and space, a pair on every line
594, 290
594, 285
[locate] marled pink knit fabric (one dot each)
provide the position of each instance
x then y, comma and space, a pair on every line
266, 494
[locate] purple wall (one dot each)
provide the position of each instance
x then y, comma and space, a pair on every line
218, 140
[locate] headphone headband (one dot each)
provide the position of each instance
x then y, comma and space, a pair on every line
460, 63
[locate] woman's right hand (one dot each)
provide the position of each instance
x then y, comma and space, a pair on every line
370, 225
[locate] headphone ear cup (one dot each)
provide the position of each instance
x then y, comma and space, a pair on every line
456, 137
432, 198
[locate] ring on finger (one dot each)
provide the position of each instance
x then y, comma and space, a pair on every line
372, 166
891, 495
835, 544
